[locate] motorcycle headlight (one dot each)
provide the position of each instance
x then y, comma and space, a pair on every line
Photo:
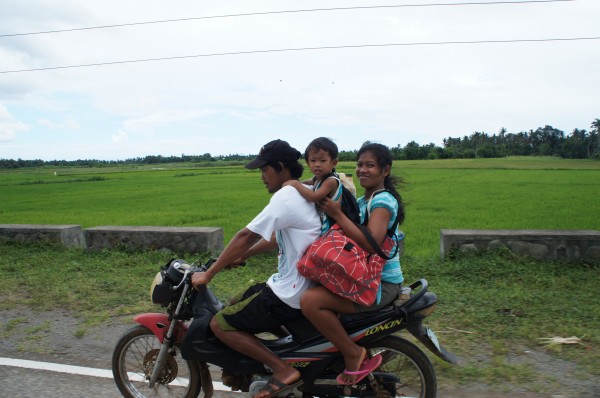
160, 292
175, 271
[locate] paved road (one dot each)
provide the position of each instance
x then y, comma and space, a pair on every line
93, 352
31, 382
23, 382
27, 383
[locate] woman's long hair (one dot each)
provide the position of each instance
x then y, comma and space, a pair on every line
384, 158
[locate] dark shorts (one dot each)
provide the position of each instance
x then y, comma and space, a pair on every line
259, 310
389, 293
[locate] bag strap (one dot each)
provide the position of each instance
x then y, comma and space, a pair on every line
330, 175
374, 244
390, 232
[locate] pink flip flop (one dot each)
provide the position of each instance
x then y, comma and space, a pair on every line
367, 367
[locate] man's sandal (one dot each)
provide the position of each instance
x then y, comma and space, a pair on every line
366, 367
281, 387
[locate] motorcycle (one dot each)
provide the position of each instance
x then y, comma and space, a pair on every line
168, 355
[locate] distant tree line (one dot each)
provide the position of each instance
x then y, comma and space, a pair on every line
150, 159
545, 141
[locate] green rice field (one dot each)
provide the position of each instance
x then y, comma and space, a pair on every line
508, 193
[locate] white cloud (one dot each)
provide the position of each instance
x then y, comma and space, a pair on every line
165, 117
9, 126
65, 124
120, 137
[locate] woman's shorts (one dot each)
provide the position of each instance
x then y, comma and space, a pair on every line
259, 310
389, 293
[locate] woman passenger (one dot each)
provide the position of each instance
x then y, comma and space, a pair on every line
382, 205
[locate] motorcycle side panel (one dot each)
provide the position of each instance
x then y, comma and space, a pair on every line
200, 344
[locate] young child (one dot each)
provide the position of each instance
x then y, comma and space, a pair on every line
321, 156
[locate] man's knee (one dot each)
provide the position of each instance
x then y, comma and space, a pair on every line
215, 327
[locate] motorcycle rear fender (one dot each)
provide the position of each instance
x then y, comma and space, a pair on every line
420, 332
159, 325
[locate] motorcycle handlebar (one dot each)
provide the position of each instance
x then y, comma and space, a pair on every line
187, 277
211, 261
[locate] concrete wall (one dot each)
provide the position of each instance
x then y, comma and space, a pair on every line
548, 245
67, 235
174, 239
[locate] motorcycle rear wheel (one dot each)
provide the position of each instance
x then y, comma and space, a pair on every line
409, 364
133, 360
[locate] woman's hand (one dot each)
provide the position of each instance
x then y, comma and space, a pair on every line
333, 208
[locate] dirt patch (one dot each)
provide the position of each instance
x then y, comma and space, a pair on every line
51, 336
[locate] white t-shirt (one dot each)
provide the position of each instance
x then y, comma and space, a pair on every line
296, 225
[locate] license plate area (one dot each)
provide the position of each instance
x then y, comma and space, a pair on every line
433, 338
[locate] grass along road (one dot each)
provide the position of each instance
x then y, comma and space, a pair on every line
494, 310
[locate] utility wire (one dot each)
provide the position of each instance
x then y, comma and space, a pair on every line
283, 12
304, 49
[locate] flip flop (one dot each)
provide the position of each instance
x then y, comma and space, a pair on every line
344, 380
366, 368
282, 387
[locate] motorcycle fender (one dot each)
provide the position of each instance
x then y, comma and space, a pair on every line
428, 338
159, 325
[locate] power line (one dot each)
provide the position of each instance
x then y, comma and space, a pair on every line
283, 12
304, 49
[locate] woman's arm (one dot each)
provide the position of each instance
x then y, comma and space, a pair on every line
377, 226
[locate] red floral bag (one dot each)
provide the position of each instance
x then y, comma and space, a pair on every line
338, 263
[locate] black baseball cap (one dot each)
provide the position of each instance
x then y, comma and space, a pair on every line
274, 151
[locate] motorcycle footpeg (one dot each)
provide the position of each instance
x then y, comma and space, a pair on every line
258, 385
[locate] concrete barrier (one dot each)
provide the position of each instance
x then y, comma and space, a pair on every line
174, 239
547, 245
67, 235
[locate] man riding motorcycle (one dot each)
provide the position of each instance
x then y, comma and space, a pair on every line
290, 223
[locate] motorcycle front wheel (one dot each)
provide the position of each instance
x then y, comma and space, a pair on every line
134, 358
410, 370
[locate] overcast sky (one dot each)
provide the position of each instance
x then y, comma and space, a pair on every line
232, 104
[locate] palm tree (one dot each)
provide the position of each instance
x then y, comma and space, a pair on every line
594, 143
